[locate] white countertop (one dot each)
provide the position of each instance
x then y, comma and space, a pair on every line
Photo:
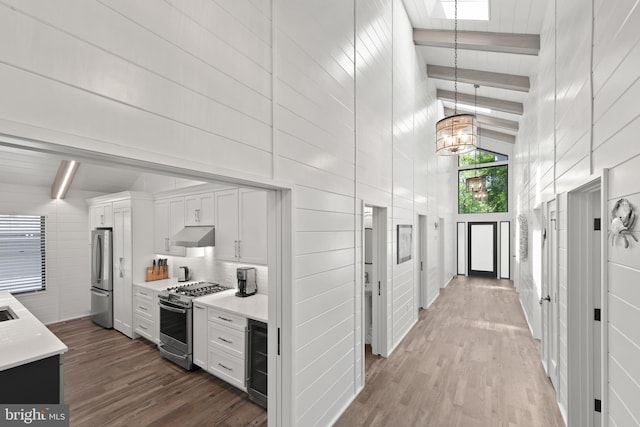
253, 307
25, 339
159, 285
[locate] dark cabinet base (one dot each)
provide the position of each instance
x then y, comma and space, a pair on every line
35, 382
257, 363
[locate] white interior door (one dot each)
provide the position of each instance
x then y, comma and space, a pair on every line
422, 254
552, 312
596, 287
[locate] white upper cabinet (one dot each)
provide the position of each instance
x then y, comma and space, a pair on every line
252, 235
168, 219
199, 209
102, 215
226, 203
241, 226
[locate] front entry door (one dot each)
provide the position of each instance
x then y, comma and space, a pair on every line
483, 259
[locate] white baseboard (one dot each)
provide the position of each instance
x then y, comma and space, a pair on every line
525, 316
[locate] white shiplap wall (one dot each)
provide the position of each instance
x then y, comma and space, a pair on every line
569, 157
67, 252
139, 79
374, 67
202, 85
315, 130
400, 296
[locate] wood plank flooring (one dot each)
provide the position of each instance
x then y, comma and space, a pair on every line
470, 361
111, 380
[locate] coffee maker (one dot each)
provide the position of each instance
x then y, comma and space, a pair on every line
246, 281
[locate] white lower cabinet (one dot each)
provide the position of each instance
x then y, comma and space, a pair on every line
227, 367
145, 314
200, 339
219, 343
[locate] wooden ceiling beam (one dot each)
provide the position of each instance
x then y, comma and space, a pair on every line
497, 122
498, 136
522, 44
482, 78
482, 101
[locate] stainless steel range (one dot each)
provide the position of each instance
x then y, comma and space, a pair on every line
176, 320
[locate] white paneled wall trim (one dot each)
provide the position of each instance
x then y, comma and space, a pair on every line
582, 118
326, 98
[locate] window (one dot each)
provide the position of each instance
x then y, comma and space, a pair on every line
479, 157
22, 253
496, 172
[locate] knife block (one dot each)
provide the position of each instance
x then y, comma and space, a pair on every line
157, 273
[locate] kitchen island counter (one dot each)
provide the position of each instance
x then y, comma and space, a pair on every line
24, 339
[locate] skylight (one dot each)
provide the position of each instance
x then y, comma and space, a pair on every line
477, 10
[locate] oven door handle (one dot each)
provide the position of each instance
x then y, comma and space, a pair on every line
167, 352
175, 310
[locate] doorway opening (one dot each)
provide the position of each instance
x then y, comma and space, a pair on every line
585, 344
423, 290
375, 281
482, 249
549, 301
279, 251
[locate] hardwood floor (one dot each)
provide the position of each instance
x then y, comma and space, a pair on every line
111, 380
470, 361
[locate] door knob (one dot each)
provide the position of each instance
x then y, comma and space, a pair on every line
547, 298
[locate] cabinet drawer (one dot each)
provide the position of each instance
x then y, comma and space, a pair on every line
228, 319
142, 293
227, 367
227, 339
144, 327
143, 307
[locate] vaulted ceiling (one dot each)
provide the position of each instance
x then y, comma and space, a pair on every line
500, 55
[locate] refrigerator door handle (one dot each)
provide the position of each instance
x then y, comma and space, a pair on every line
96, 260
100, 293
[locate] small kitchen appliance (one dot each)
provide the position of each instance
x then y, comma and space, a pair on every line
246, 281
183, 274
176, 320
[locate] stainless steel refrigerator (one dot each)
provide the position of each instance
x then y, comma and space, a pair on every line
102, 277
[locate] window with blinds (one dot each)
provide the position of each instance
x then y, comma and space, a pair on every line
22, 253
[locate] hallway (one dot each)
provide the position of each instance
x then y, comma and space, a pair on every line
469, 361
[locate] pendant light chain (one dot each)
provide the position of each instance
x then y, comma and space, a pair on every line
455, 57
456, 134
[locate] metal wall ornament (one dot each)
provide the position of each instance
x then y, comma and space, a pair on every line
623, 219
524, 237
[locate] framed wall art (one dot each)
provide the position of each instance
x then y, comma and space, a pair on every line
404, 242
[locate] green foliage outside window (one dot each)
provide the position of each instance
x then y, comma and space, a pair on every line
479, 157
497, 179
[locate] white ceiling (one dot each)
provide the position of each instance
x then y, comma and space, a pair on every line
506, 16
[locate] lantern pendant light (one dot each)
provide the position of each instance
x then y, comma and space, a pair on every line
456, 134
480, 195
477, 184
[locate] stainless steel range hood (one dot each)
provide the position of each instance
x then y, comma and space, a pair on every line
195, 237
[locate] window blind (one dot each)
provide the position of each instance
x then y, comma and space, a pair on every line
22, 253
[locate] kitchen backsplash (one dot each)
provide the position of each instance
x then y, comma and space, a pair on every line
207, 268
